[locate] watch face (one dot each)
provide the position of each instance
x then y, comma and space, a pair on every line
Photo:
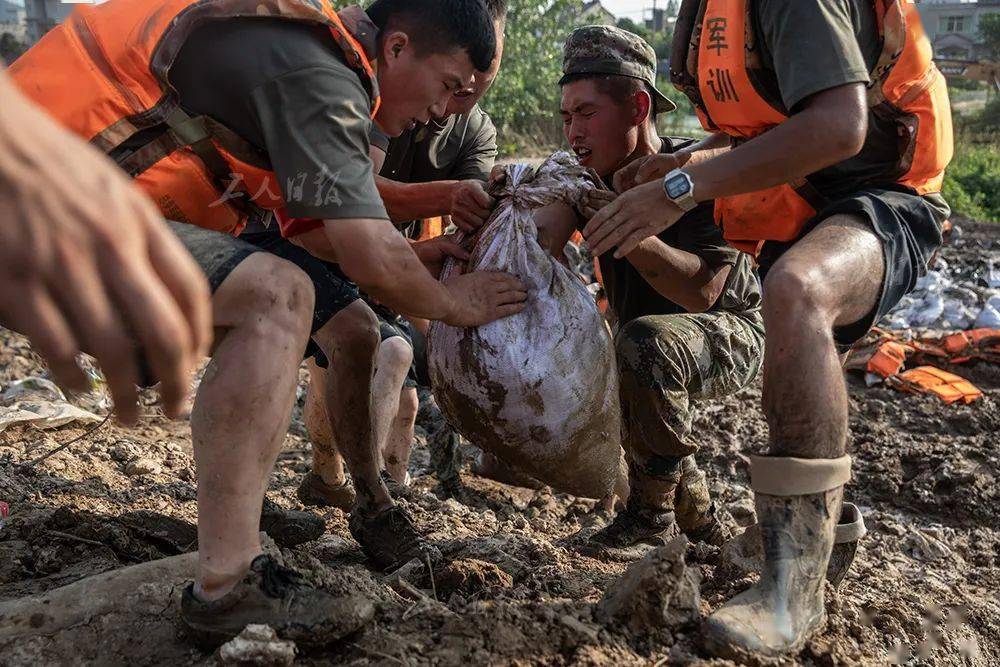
677, 186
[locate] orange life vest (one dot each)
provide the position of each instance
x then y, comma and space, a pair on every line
104, 74
716, 63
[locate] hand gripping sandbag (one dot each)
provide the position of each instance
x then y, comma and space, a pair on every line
539, 390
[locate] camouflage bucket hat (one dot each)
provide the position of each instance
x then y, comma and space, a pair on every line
602, 49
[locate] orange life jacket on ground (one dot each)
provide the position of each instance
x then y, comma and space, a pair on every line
104, 74
716, 63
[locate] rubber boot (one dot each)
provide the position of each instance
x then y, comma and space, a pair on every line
798, 505
850, 529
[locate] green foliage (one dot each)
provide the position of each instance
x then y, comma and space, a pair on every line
524, 100
989, 33
972, 181
11, 48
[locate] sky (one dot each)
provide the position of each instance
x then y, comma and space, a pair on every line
631, 8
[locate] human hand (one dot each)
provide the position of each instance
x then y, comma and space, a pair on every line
594, 200
433, 252
484, 296
471, 205
88, 265
644, 170
638, 214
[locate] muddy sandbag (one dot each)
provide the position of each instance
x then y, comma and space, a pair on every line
539, 390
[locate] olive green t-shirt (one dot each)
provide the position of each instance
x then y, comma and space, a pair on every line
284, 87
630, 296
461, 147
810, 46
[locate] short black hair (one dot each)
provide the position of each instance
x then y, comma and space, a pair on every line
618, 88
440, 26
497, 9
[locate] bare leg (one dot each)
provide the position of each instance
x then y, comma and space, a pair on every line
400, 439
242, 410
833, 277
394, 358
350, 341
327, 461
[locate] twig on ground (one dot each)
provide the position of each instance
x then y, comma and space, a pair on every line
76, 538
371, 651
430, 574
88, 432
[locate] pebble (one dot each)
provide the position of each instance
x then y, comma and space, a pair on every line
142, 467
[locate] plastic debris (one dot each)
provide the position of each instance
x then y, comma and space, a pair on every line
40, 403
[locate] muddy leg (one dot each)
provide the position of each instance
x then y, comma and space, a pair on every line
350, 342
394, 358
263, 311
400, 439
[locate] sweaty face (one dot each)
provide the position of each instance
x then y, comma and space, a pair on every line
417, 88
599, 130
466, 98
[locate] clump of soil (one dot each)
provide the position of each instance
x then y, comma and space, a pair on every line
512, 588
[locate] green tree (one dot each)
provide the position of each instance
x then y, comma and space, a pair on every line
989, 33
524, 100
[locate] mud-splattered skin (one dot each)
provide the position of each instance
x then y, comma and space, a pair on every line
539, 389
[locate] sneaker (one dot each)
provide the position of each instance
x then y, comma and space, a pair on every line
274, 595
632, 533
315, 492
289, 528
389, 538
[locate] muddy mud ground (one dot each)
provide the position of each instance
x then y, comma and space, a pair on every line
923, 591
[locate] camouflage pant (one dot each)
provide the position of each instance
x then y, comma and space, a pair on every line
668, 361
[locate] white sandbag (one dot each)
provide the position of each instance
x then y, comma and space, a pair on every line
538, 390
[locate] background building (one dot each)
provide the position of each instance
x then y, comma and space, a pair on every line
953, 27
43, 15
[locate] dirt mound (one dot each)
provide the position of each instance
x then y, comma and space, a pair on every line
512, 590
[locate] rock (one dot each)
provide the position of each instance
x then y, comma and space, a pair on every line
257, 645
658, 591
925, 546
470, 576
142, 467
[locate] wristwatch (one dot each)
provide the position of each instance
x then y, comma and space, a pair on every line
680, 189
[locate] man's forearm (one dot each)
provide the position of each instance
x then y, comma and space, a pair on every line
825, 133
708, 148
383, 264
683, 277
413, 201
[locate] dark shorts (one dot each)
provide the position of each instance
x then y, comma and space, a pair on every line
393, 325
909, 227
219, 254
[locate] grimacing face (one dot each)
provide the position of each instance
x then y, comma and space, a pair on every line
601, 131
463, 100
417, 88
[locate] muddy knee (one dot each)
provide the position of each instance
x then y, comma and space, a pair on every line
353, 333
269, 294
793, 292
395, 355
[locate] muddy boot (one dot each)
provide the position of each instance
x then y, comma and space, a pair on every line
443, 443
274, 595
488, 466
798, 504
315, 492
289, 528
697, 516
389, 538
648, 519
850, 529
